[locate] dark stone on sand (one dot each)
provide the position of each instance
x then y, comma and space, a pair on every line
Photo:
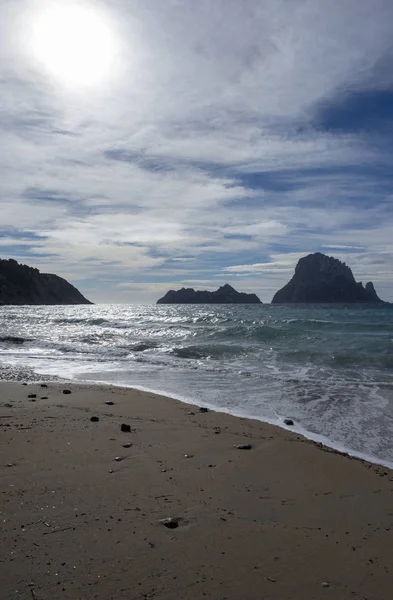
94, 419
43, 385
109, 402
118, 458
244, 446
24, 383
44, 397
170, 522
32, 396
126, 428
288, 422
203, 409
128, 445
66, 391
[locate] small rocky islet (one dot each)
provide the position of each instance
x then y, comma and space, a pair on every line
225, 294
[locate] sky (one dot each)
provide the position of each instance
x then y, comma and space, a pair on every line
149, 144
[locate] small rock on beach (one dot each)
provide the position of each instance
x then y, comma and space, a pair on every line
170, 522
244, 446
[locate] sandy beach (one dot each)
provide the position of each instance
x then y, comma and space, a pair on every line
82, 504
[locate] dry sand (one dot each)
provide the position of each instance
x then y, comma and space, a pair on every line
285, 520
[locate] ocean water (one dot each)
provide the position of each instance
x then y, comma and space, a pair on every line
329, 368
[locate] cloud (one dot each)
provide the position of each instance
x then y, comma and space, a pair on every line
231, 139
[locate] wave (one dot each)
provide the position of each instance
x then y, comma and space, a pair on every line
143, 346
213, 351
259, 333
14, 339
78, 321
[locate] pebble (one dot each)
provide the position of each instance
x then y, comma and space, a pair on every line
94, 419
325, 584
43, 385
119, 458
109, 402
244, 446
203, 409
66, 391
288, 422
188, 456
126, 428
32, 396
127, 445
44, 397
170, 522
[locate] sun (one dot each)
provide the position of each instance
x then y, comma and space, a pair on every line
74, 43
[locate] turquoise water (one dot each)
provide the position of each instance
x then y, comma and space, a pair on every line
330, 368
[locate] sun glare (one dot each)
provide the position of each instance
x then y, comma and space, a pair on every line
74, 43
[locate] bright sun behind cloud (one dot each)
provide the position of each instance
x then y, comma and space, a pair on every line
74, 43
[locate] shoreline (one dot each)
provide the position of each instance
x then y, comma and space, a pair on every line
318, 439
82, 503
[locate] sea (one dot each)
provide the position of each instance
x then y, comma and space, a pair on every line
327, 367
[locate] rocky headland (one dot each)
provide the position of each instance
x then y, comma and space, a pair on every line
20, 284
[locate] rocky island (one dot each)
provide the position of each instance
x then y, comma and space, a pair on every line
226, 294
20, 284
323, 279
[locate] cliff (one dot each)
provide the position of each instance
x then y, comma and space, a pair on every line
20, 284
323, 279
224, 295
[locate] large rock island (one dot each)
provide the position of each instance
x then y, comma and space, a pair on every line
323, 279
20, 284
224, 295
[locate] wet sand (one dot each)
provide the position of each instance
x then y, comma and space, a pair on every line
286, 520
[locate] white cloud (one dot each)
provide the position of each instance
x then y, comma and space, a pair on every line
204, 95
